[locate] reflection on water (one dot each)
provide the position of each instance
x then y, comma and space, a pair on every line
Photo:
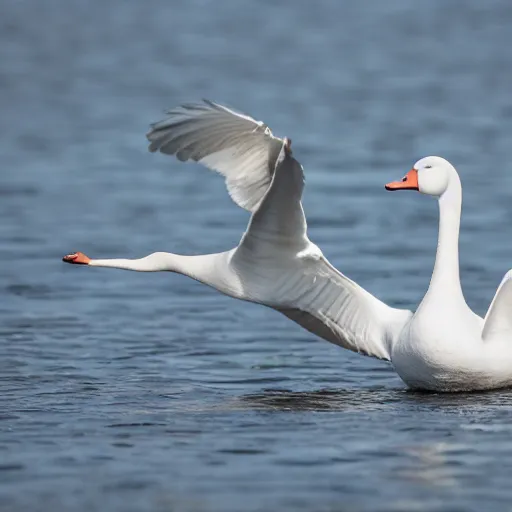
320, 400
431, 465
370, 398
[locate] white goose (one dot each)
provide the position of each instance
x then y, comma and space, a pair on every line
445, 346
276, 264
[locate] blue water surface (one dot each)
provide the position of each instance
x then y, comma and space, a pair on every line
150, 392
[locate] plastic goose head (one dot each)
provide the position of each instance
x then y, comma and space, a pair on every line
430, 175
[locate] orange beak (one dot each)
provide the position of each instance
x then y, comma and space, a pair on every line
77, 258
409, 182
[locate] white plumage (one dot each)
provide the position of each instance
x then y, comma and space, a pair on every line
235, 145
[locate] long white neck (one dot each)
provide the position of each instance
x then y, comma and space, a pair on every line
210, 269
445, 280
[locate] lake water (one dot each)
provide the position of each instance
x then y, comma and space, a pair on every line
129, 392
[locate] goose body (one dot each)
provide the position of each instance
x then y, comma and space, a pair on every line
444, 346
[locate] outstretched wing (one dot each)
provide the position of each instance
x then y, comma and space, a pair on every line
240, 148
329, 304
279, 221
284, 270
498, 319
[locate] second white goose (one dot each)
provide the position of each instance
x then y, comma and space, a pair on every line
275, 263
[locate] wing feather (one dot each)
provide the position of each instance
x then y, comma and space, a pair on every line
235, 145
498, 320
283, 269
337, 309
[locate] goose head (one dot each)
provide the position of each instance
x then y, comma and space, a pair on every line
430, 175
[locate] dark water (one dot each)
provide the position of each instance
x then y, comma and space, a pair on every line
135, 392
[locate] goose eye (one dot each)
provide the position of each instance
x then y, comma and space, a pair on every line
428, 167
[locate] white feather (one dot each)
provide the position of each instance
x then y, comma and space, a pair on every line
235, 145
